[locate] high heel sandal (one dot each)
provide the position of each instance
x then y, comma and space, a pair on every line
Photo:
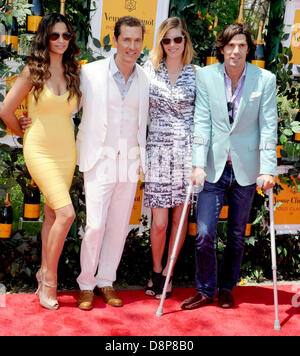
51, 304
169, 288
153, 285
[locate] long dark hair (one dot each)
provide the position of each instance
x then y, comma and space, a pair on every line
228, 33
39, 60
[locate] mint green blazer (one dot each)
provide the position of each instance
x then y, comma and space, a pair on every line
251, 139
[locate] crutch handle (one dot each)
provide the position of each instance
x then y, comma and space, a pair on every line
260, 182
199, 186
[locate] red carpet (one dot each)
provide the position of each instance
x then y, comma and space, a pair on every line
253, 315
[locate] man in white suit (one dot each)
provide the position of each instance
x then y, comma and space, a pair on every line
111, 149
235, 139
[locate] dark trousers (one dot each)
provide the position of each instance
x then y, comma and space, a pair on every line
209, 204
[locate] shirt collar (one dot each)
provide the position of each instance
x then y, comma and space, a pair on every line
114, 68
242, 76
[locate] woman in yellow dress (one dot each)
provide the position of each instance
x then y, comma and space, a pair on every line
51, 81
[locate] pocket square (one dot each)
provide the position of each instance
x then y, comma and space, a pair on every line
255, 95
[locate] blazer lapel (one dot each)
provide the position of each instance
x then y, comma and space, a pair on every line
103, 88
222, 94
141, 87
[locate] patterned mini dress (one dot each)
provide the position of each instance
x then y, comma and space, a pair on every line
169, 140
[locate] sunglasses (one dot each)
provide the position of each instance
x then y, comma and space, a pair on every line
54, 36
230, 107
167, 40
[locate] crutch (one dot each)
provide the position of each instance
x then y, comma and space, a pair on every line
177, 238
260, 183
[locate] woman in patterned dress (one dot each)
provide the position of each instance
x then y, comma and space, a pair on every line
169, 143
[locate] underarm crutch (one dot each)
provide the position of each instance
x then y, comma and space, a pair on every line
177, 238
273, 251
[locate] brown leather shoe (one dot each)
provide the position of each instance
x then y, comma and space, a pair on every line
196, 301
85, 300
110, 296
225, 300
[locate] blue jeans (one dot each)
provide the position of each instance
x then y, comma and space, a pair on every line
209, 205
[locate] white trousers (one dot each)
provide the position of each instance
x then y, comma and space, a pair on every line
110, 189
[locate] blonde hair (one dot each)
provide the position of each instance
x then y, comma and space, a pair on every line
158, 52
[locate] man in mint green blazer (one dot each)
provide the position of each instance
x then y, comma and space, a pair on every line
235, 139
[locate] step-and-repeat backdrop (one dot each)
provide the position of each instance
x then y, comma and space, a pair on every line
292, 27
107, 12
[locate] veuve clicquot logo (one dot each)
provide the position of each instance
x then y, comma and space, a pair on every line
6, 218
32, 202
34, 19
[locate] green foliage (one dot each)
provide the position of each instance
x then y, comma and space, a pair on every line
135, 271
19, 260
274, 34
10, 169
77, 12
19, 9
259, 269
69, 265
199, 16
257, 263
288, 103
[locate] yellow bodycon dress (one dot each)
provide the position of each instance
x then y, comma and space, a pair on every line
49, 145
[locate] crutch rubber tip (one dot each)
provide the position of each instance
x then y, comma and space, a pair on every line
159, 312
277, 325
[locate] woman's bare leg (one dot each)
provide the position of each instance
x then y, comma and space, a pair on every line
159, 226
176, 215
47, 225
57, 234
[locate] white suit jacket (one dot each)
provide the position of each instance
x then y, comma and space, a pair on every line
93, 127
